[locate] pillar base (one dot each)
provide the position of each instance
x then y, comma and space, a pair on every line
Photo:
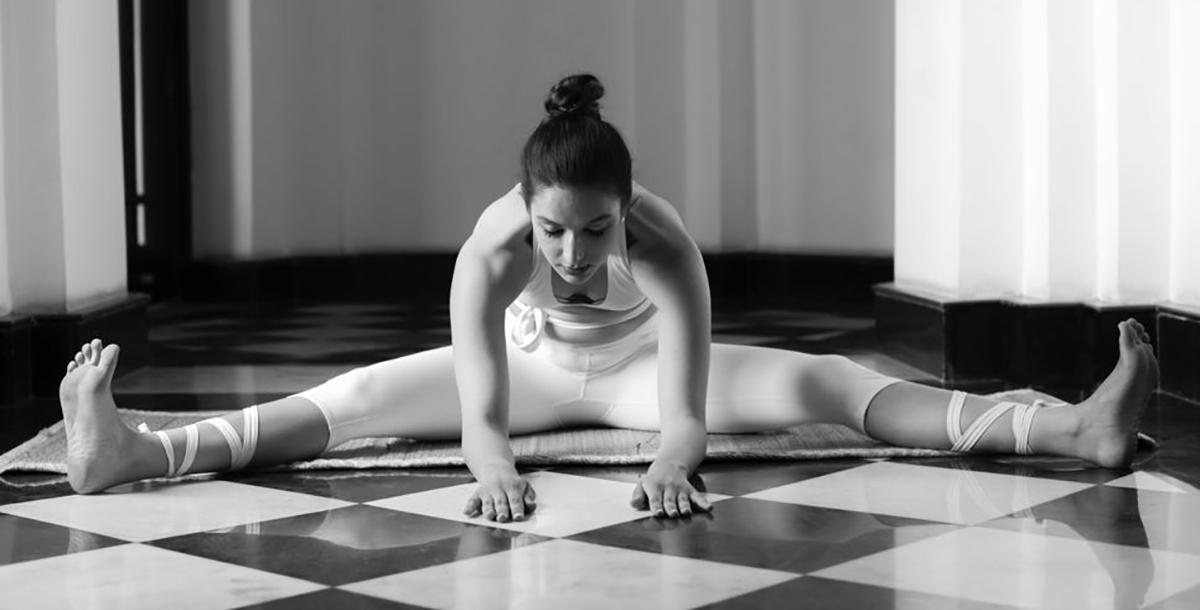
1062, 348
1179, 351
56, 337
15, 364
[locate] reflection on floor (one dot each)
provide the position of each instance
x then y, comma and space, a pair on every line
968, 532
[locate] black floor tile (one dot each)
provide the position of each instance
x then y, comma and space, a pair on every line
770, 535
24, 539
1116, 515
330, 599
359, 485
815, 592
348, 544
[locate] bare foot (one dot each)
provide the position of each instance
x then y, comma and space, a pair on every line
98, 442
1109, 418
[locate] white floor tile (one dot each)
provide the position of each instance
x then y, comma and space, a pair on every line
1152, 481
922, 492
149, 511
139, 576
566, 504
1026, 570
568, 574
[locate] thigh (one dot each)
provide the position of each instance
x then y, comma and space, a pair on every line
416, 396
753, 389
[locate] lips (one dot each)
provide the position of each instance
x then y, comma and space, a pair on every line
576, 271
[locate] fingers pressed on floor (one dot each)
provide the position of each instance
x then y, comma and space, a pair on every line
685, 507
502, 512
516, 504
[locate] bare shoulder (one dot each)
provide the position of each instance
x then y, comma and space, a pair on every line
658, 228
502, 224
500, 232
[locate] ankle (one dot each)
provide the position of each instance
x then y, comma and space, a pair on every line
1057, 430
146, 455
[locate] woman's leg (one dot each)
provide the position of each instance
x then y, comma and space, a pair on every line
750, 389
413, 396
1101, 429
756, 389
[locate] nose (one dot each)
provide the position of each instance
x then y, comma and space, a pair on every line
573, 250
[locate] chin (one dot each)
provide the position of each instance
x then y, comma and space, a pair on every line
577, 280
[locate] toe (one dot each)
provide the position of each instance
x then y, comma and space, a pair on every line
1128, 338
72, 365
108, 359
96, 346
79, 358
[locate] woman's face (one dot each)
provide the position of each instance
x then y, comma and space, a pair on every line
576, 229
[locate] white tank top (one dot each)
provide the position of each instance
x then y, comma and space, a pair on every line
536, 304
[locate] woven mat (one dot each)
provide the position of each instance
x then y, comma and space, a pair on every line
46, 452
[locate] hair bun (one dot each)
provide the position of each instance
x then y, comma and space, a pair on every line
575, 95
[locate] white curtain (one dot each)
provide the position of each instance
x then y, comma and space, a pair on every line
1049, 150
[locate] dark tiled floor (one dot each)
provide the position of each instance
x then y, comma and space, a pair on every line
966, 532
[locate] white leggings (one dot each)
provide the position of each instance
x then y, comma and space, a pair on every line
555, 384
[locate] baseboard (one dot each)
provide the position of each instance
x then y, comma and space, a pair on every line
734, 278
56, 337
15, 360
1065, 349
1179, 351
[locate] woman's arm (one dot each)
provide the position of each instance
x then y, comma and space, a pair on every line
678, 286
670, 271
480, 363
488, 275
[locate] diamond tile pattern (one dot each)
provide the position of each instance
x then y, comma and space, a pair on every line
973, 532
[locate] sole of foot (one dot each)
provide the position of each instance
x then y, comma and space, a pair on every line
97, 439
1109, 418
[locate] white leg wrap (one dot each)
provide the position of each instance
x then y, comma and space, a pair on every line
1022, 423
170, 449
241, 449
189, 450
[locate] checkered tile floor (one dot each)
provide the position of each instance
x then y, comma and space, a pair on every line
969, 532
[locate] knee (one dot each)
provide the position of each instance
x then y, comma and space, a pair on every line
357, 382
338, 391
825, 369
824, 379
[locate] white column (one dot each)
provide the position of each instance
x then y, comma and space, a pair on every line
1185, 152
1142, 250
93, 184
1068, 270
64, 192
991, 148
927, 144
1047, 150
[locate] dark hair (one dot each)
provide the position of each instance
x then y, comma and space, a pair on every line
573, 147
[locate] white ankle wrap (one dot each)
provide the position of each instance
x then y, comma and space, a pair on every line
241, 449
1022, 423
189, 451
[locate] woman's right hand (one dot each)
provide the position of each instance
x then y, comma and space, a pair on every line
502, 495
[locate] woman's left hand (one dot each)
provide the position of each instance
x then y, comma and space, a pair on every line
665, 490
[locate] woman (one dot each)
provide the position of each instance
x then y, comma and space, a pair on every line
580, 299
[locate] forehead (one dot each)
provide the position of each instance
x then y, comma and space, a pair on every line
562, 205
